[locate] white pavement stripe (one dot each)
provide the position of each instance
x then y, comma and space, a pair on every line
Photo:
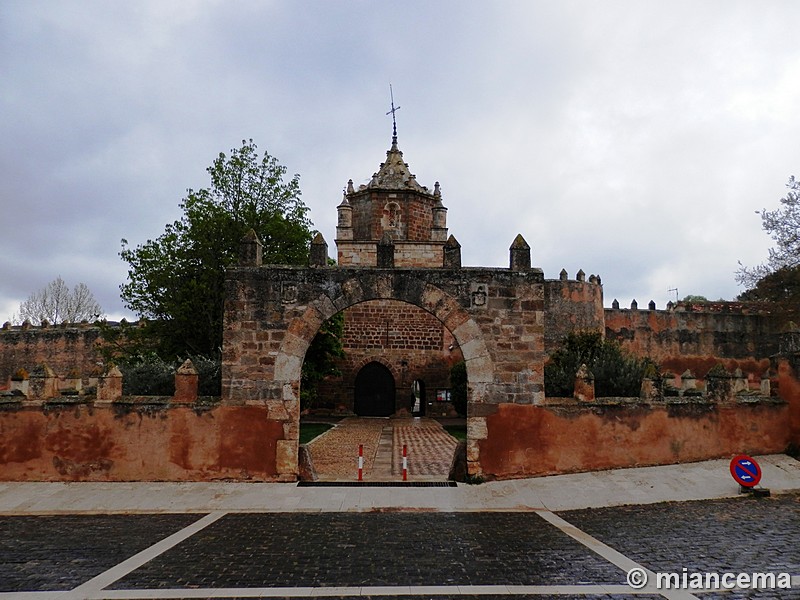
612, 556
94, 585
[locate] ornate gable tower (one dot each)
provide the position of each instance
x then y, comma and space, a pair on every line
392, 211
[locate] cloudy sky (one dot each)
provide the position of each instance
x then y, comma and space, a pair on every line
634, 139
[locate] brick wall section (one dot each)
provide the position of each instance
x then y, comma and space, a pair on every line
371, 215
391, 324
406, 339
64, 349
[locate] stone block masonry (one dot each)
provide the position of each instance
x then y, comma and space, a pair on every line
494, 315
64, 348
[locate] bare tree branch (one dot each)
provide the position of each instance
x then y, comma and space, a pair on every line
55, 303
783, 226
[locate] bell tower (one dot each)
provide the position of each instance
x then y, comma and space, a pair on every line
392, 209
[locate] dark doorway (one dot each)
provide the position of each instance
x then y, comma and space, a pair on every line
374, 393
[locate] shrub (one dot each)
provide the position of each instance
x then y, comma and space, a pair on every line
209, 372
147, 375
458, 387
616, 372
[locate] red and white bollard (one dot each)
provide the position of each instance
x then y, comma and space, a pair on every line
361, 462
405, 462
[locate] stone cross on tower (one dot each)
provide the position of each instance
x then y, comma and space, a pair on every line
394, 121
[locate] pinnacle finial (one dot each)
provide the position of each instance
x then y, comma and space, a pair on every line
394, 121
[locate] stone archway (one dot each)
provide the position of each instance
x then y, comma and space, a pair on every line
288, 360
272, 314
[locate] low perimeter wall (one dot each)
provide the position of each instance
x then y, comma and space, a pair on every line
526, 441
567, 435
142, 443
161, 439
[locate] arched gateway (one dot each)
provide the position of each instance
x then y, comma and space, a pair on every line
392, 245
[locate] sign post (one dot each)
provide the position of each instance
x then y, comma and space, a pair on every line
747, 473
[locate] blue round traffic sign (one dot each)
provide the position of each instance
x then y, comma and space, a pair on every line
745, 470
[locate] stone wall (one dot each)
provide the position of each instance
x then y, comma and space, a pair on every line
273, 313
571, 305
357, 254
137, 442
63, 348
525, 441
95, 433
406, 254
696, 337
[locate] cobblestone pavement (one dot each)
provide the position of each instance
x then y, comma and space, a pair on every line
741, 535
399, 554
430, 449
377, 549
59, 553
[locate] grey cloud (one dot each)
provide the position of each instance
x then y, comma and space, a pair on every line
624, 138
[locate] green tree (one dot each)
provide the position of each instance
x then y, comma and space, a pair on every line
177, 280
320, 361
616, 372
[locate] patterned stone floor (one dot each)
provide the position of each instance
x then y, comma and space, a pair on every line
430, 449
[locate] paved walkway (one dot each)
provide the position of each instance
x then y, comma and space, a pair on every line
693, 481
430, 450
